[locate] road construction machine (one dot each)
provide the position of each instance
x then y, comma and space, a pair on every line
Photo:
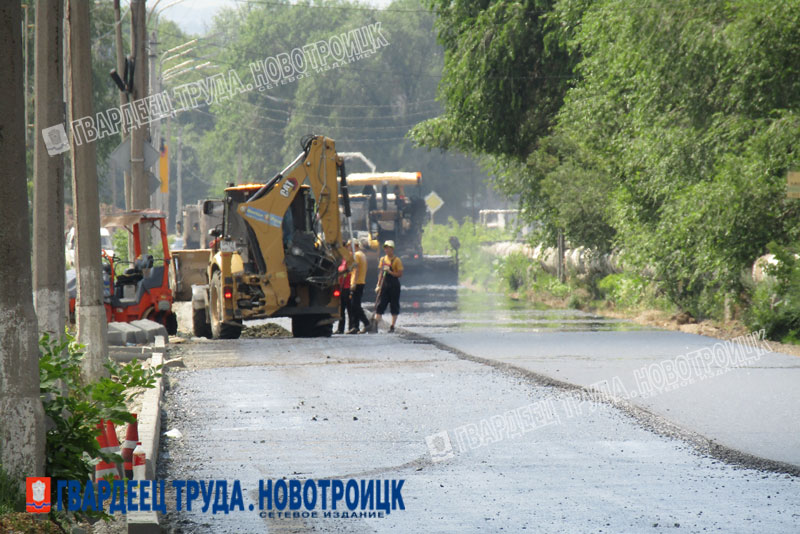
278, 249
136, 289
389, 205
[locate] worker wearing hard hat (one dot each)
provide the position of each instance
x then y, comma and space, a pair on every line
344, 296
390, 269
358, 278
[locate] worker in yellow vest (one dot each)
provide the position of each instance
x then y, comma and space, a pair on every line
358, 278
392, 269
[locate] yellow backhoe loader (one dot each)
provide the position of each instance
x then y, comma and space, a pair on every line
279, 248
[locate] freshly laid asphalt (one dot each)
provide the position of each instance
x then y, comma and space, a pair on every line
362, 407
752, 408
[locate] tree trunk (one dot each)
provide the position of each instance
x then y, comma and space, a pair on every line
21, 413
48, 173
90, 314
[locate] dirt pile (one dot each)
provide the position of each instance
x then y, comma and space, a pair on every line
265, 330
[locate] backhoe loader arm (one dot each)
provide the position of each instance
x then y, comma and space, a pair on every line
265, 212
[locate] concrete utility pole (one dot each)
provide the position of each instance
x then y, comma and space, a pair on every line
48, 173
21, 415
560, 271
179, 193
25, 29
140, 198
123, 97
90, 314
155, 129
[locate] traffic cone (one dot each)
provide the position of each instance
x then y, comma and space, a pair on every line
113, 443
103, 468
131, 438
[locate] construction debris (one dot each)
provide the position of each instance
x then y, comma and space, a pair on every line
265, 331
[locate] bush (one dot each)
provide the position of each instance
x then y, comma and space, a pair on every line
775, 302
514, 271
625, 290
74, 407
475, 265
11, 497
120, 240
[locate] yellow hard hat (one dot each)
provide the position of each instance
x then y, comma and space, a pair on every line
388, 243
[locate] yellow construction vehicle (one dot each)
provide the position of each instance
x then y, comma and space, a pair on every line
278, 250
389, 205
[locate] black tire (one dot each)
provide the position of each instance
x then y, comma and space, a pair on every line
166, 318
306, 326
219, 329
171, 323
199, 325
301, 326
323, 331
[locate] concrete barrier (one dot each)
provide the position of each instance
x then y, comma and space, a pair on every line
151, 329
125, 333
581, 261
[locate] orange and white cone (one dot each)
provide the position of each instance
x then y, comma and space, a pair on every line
104, 469
113, 443
131, 438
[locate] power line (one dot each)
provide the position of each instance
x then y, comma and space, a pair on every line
339, 7
288, 122
406, 74
345, 106
345, 117
260, 130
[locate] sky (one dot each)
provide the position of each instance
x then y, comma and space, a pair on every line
195, 16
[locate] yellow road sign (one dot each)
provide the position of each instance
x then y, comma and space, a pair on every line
433, 201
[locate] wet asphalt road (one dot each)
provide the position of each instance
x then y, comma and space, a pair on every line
362, 406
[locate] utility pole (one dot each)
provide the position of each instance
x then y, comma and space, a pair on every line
123, 96
22, 437
157, 200
25, 75
90, 314
560, 271
139, 195
179, 193
48, 173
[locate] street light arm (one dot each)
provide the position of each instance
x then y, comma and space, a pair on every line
197, 67
176, 67
176, 48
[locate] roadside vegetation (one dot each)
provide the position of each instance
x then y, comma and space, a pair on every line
626, 292
661, 129
775, 302
73, 408
476, 266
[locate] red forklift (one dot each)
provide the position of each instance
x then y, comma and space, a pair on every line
141, 290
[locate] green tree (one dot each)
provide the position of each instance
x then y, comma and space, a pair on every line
505, 74
692, 109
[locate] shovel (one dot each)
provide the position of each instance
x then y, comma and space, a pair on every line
373, 324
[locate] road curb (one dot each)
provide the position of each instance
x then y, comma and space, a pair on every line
149, 433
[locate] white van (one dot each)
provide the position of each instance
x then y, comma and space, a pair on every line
69, 251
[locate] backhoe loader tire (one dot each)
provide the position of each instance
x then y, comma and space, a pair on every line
168, 319
306, 326
301, 326
199, 325
220, 330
